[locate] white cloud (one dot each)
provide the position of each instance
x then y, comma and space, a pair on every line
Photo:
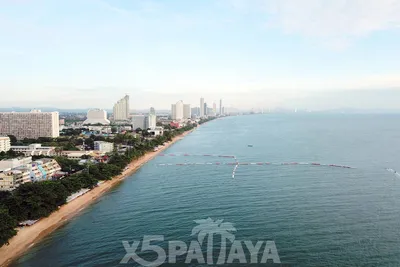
338, 21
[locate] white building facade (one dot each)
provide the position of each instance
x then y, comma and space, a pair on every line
5, 143
96, 116
187, 111
177, 111
32, 124
121, 109
139, 121
35, 150
202, 112
103, 146
152, 119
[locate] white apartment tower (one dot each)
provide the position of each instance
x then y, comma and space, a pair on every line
187, 112
152, 123
32, 124
177, 111
202, 111
121, 109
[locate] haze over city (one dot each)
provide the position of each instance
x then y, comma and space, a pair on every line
253, 54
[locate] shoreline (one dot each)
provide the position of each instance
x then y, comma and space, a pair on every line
30, 235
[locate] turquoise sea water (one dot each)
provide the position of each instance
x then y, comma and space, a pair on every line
317, 216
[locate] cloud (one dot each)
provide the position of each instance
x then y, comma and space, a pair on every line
339, 21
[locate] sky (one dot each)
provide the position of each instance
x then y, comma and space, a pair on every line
251, 53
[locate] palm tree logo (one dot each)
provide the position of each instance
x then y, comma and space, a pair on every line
210, 227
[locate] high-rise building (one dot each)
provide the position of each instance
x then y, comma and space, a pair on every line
121, 109
202, 110
5, 143
220, 107
187, 112
97, 116
196, 111
32, 124
205, 109
152, 119
177, 111
214, 108
139, 121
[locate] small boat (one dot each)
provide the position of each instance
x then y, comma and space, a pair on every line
250, 145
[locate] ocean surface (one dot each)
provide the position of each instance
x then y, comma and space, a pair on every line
316, 215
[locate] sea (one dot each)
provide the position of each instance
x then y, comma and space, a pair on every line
316, 215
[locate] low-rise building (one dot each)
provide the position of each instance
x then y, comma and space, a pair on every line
22, 174
5, 143
35, 150
103, 146
76, 154
7, 181
13, 163
44, 169
157, 131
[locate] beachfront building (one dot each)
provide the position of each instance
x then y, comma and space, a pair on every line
22, 174
220, 107
121, 109
32, 124
44, 169
103, 146
35, 150
24, 170
187, 112
96, 116
5, 143
13, 163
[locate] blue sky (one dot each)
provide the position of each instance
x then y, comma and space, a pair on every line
251, 53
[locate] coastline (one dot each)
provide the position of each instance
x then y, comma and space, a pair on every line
30, 235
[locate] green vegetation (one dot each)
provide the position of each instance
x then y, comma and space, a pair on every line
32, 201
10, 154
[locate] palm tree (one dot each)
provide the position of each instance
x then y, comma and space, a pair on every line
210, 227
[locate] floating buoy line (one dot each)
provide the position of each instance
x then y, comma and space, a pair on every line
236, 163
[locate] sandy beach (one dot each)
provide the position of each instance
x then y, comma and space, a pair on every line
28, 236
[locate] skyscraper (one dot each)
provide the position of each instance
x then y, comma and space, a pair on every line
220, 107
177, 111
152, 118
32, 124
139, 121
202, 110
187, 112
205, 110
121, 109
214, 108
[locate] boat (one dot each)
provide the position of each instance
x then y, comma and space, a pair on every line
250, 145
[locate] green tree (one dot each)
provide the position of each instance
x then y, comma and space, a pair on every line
7, 227
13, 139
